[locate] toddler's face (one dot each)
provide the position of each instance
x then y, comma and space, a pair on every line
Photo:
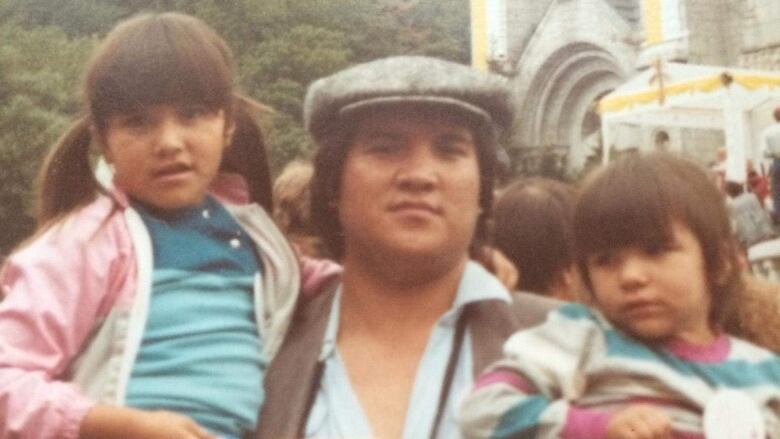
166, 155
655, 294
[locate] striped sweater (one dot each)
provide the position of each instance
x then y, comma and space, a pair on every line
567, 376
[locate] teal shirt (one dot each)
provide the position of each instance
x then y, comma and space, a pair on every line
200, 355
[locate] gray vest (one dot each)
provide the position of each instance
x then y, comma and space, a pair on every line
292, 380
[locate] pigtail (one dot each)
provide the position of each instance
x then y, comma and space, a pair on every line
247, 154
66, 179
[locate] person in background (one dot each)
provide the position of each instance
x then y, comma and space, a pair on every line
533, 227
752, 223
655, 247
402, 192
292, 208
771, 143
758, 184
147, 305
719, 168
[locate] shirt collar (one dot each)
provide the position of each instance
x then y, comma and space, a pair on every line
476, 284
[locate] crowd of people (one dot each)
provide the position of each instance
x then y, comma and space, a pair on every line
387, 289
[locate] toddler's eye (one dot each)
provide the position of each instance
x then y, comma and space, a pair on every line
135, 120
194, 111
383, 146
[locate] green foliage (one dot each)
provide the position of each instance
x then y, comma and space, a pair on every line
288, 140
39, 69
281, 46
75, 17
277, 71
25, 132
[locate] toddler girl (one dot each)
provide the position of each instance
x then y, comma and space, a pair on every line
650, 361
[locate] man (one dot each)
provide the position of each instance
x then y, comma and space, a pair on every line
401, 194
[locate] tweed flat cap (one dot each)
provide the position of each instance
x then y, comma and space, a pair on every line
407, 80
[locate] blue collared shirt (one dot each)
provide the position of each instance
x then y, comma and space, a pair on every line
337, 412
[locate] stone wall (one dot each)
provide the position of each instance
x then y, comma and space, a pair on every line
629, 10
742, 33
582, 50
766, 59
760, 33
761, 24
522, 18
712, 40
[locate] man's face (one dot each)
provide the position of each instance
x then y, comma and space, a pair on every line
410, 188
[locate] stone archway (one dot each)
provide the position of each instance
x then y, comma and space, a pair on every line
559, 108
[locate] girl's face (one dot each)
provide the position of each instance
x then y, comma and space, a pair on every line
655, 294
166, 155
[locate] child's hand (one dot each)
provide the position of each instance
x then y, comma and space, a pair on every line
104, 421
162, 425
639, 422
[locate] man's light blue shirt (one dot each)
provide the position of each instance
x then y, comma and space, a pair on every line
337, 412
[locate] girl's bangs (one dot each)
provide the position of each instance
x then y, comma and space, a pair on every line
625, 207
159, 61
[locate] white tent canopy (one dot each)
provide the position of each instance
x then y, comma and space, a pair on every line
737, 101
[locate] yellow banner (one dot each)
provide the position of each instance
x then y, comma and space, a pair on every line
617, 103
653, 13
753, 82
479, 35
705, 84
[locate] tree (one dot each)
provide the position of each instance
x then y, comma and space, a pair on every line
74, 17
39, 68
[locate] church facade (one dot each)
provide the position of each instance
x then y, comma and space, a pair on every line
562, 56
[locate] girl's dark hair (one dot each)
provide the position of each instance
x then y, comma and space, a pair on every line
533, 228
329, 165
246, 154
151, 59
633, 202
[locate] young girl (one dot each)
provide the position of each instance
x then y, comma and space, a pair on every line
147, 308
655, 249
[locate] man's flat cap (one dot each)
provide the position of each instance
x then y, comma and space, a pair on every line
404, 80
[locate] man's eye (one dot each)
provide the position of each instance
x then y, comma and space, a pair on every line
453, 149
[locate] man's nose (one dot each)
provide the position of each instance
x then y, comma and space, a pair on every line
418, 172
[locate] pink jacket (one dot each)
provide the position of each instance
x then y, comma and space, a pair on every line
76, 306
